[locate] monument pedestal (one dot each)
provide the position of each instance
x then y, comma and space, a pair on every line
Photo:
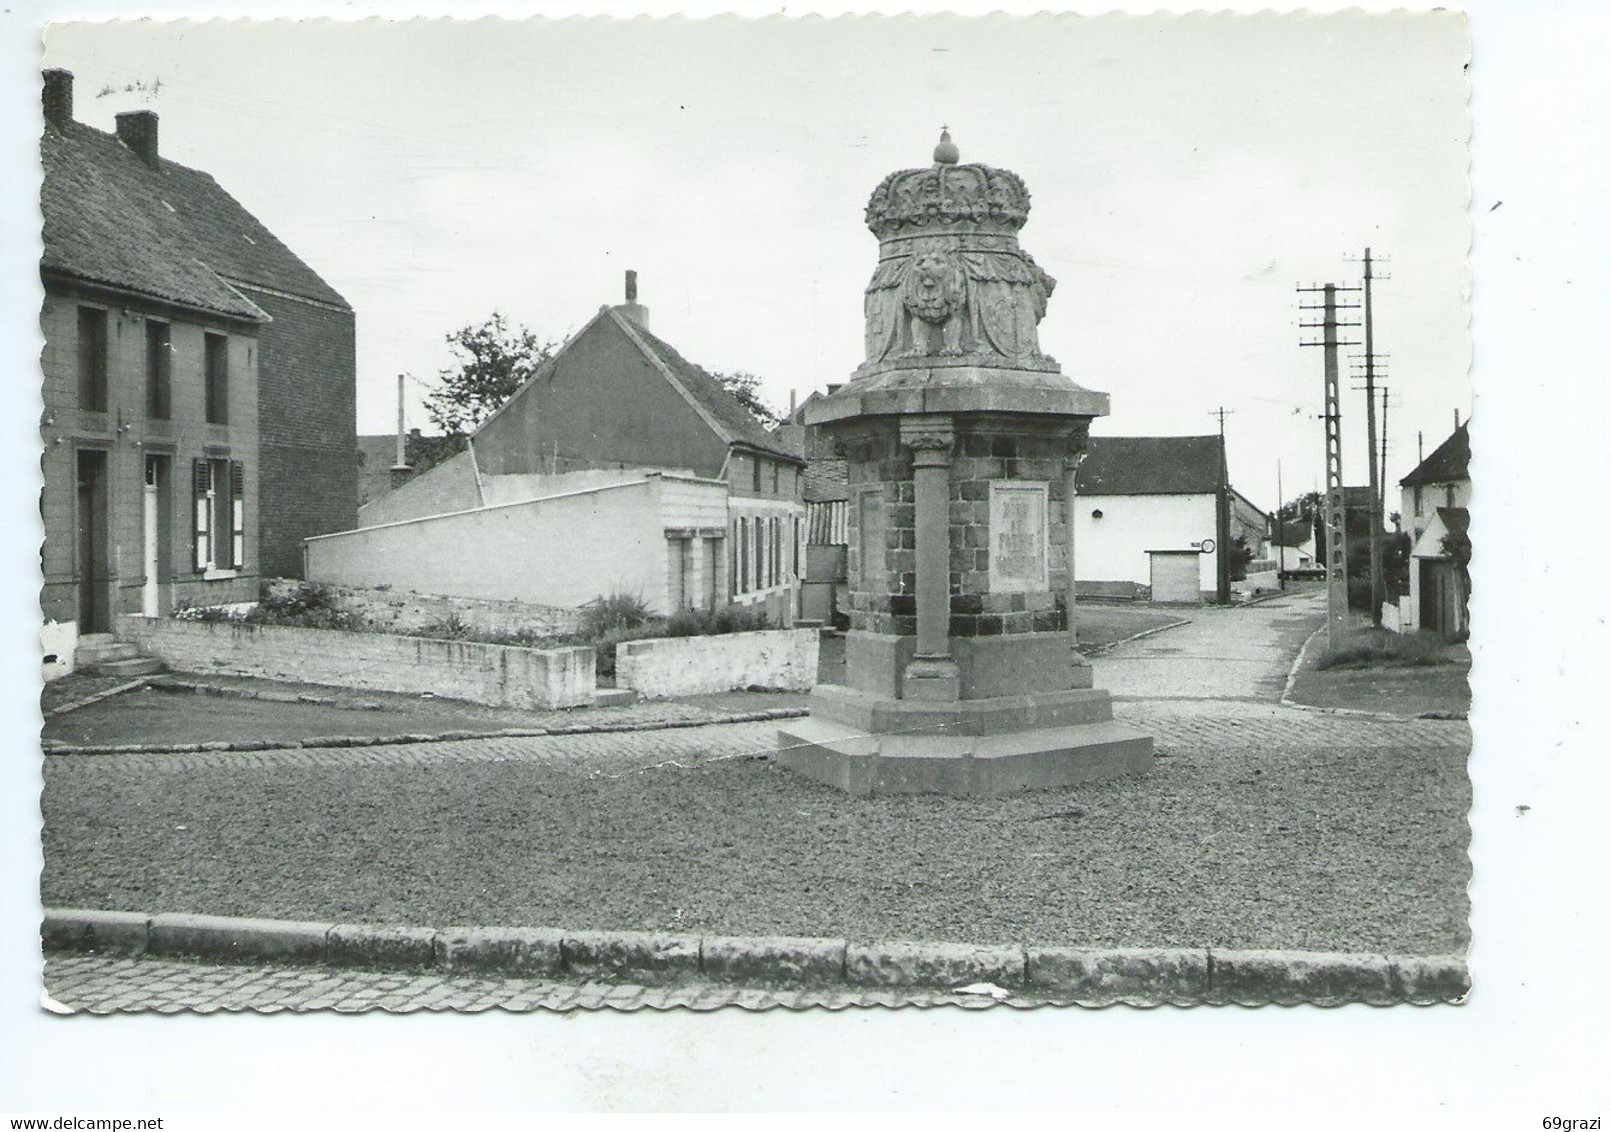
867, 744
960, 441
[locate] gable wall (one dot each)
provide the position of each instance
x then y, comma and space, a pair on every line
601, 405
308, 427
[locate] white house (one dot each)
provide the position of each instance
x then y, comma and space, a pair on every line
1155, 517
1292, 546
1435, 497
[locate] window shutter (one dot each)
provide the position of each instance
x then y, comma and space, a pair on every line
201, 481
237, 514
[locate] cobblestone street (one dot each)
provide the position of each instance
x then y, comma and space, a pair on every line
104, 986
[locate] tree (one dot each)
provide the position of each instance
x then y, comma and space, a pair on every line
491, 362
1305, 507
747, 388
1240, 555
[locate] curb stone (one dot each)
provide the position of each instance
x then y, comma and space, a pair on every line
807, 962
83, 929
329, 741
1104, 649
371, 945
74, 705
265, 941
1323, 978
510, 951
1121, 974
1085, 976
649, 957
900, 964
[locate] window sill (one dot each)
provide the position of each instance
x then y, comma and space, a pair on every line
219, 575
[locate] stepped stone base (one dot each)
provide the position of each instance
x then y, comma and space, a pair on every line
869, 745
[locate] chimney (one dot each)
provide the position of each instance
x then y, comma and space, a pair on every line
58, 96
137, 129
633, 309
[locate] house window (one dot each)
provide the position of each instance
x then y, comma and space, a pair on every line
217, 379
158, 370
743, 556
1448, 495
732, 561
758, 540
755, 475
92, 359
1417, 502
220, 515
774, 479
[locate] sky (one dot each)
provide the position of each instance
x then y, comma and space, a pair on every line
1186, 175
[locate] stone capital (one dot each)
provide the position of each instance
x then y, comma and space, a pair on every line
930, 439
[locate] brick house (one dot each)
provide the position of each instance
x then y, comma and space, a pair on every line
199, 383
613, 405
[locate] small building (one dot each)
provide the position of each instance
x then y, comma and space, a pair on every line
1292, 545
199, 383
615, 407
1435, 498
1156, 517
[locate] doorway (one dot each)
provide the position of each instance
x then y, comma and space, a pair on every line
156, 536
1175, 577
94, 548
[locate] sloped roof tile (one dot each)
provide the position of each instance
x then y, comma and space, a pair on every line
1449, 461
1150, 465
167, 231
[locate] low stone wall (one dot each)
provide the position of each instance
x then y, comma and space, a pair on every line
691, 666
496, 675
403, 610
1262, 582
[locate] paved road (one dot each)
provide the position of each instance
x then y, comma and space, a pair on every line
1226, 653
1213, 685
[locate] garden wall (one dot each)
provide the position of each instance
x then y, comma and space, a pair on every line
691, 666
496, 675
394, 610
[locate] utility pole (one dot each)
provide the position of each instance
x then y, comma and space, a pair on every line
1222, 516
1280, 530
1336, 509
1376, 586
1382, 503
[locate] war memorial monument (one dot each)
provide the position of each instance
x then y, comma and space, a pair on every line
963, 673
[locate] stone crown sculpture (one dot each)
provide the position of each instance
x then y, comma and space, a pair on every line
951, 281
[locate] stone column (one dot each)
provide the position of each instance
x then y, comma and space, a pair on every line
932, 674
1070, 507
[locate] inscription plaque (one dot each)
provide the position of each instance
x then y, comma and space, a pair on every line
1018, 537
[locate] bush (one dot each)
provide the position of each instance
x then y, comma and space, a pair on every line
1380, 648
609, 614
706, 622
187, 612
308, 606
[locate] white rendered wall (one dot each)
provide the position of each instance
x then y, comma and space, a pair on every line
1114, 547
564, 550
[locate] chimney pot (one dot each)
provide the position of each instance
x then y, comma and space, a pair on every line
631, 286
137, 129
58, 96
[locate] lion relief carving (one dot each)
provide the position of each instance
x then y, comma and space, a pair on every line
934, 293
